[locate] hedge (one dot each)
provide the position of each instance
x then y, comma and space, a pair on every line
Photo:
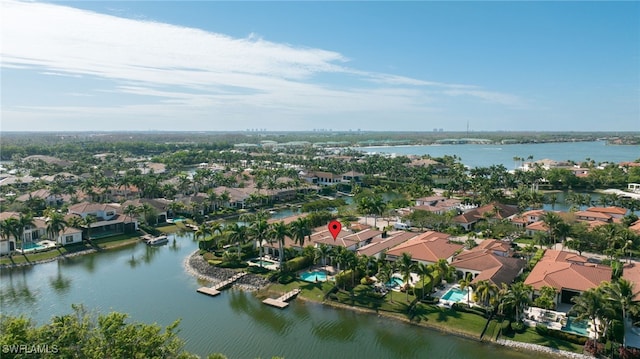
573, 338
297, 263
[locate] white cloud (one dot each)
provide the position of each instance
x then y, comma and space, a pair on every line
194, 72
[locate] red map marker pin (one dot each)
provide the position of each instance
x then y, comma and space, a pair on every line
334, 227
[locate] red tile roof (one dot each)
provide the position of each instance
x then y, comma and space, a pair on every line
565, 270
427, 247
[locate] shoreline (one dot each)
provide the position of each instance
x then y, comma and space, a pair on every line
198, 267
193, 262
65, 256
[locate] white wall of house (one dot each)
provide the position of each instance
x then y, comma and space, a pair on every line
7, 245
70, 238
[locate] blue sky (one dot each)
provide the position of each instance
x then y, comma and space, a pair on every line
221, 66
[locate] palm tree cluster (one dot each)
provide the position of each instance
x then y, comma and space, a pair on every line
609, 305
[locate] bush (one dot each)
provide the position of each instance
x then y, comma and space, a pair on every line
297, 263
286, 278
233, 265
546, 332
507, 327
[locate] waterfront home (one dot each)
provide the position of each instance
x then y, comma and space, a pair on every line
614, 212
69, 235
436, 204
491, 212
345, 238
108, 221
427, 248
593, 216
568, 273
320, 178
160, 207
490, 261
377, 248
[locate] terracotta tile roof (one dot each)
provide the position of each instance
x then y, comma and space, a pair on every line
608, 210
428, 247
494, 245
538, 226
7, 215
631, 272
86, 207
386, 243
589, 214
564, 271
499, 210
635, 226
494, 268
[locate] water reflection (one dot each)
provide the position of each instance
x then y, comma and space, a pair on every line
133, 262
15, 289
260, 313
396, 343
60, 284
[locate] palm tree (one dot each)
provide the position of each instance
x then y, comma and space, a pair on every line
518, 296
589, 305
425, 270
621, 293
212, 228
9, 228
406, 265
238, 234
88, 221
446, 271
466, 283
484, 291
130, 210
259, 230
279, 231
55, 224
324, 251
24, 221
300, 229
384, 275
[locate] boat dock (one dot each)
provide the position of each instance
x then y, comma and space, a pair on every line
282, 302
215, 289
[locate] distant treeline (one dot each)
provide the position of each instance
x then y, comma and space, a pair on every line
25, 144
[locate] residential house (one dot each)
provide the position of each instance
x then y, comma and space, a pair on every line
345, 238
524, 219
159, 205
490, 212
321, 178
569, 273
593, 216
109, 221
614, 212
378, 248
489, 262
70, 235
427, 248
50, 199
352, 176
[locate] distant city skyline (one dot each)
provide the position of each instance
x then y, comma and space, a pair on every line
299, 66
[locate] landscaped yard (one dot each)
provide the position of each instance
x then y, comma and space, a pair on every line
531, 336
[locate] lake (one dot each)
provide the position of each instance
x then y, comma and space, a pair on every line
487, 155
150, 284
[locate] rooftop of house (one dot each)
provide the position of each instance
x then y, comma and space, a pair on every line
567, 270
493, 268
609, 210
430, 246
386, 243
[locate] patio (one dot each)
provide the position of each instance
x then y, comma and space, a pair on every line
552, 319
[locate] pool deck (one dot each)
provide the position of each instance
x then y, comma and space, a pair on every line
215, 289
282, 301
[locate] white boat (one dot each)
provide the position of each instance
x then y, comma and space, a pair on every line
157, 241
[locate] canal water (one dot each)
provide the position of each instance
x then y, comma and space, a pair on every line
150, 284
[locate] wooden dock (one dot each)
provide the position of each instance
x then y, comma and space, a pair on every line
215, 289
283, 301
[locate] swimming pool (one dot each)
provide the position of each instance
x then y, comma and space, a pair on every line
455, 295
576, 326
262, 262
315, 276
30, 246
395, 282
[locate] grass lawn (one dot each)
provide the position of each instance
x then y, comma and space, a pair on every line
311, 291
170, 228
104, 243
531, 336
525, 241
